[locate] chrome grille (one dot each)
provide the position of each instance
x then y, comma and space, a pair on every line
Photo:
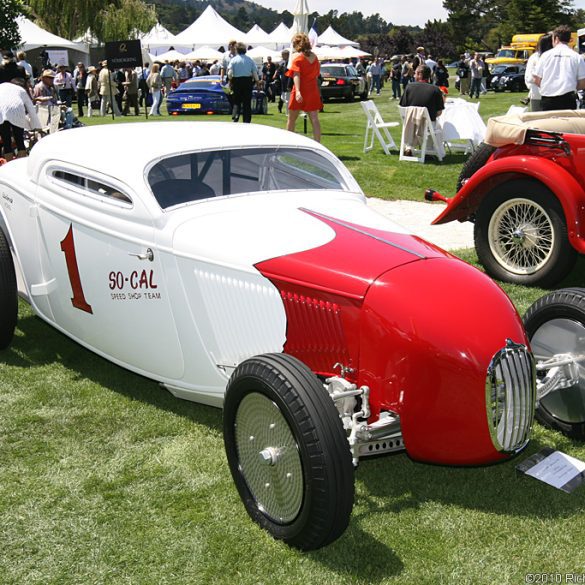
510, 397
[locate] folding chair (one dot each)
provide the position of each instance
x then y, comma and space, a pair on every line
377, 128
417, 129
513, 110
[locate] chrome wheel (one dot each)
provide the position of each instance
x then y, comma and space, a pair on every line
555, 325
566, 337
521, 236
287, 451
269, 458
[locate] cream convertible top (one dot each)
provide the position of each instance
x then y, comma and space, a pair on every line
512, 129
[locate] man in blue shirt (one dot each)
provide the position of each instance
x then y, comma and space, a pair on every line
242, 73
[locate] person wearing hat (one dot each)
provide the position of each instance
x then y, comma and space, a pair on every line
108, 90
91, 91
44, 92
65, 86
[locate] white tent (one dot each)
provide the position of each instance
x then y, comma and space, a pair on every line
263, 52
34, 37
333, 38
88, 38
256, 36
325, 53
157, 39
351, 52
204, 54
170, 56
209, 29
281, 36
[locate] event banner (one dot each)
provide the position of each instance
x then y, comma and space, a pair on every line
121, 54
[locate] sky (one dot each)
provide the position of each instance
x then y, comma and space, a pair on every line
418, 12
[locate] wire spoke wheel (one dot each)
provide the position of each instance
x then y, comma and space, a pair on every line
521, 236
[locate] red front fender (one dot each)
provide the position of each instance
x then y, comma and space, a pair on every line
558, 179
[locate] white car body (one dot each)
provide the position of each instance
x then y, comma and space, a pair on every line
187, 317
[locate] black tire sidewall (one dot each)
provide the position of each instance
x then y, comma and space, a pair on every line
563, 254
8, 294
476, 161
562, 304
299, 532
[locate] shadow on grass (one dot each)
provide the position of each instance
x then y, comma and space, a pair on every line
37, 344
494, 489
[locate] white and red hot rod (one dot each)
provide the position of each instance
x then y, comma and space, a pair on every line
240, 267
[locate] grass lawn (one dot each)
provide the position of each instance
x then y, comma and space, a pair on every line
106, 478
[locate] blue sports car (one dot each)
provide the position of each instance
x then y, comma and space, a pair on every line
207, 95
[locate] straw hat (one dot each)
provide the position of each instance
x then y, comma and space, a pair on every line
48, 73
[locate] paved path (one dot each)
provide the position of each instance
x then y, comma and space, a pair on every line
417, 217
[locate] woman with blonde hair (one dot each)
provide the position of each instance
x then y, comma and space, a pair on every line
305, 95
155, 83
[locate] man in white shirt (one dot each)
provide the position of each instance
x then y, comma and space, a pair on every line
22, 62
559, 73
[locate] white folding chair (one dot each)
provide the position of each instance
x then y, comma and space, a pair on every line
512, 110
417, 130
377, 128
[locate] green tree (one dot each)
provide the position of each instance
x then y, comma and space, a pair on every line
9, 35
437, 39
109, 20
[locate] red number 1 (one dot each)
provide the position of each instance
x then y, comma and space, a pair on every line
68, 247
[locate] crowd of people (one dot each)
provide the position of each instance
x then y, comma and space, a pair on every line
553, 75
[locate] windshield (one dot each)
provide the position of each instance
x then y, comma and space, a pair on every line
508, 53
196, 84
202, 175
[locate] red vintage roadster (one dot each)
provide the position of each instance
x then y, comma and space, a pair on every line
524, 189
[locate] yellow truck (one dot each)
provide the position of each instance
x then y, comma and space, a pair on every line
518, 51
521, 47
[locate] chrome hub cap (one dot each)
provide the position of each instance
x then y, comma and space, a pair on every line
269, 458
521, 236
563, 336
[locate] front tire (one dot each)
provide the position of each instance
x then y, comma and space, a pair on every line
555, 324
521, 235
8, 294
288, 452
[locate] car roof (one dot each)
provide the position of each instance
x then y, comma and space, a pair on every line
124, 150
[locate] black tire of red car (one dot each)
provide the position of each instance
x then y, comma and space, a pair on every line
476, 160
8, 294
555, 324
287, 451
521, 236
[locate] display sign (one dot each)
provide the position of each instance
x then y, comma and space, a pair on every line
555, 468
120, 54
58, 57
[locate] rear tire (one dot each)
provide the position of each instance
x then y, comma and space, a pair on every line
8, 294
555, 324
476, 161
521, 235
287, 451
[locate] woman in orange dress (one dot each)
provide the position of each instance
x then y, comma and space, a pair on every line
305, 95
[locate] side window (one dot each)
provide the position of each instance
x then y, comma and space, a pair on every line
91, 187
